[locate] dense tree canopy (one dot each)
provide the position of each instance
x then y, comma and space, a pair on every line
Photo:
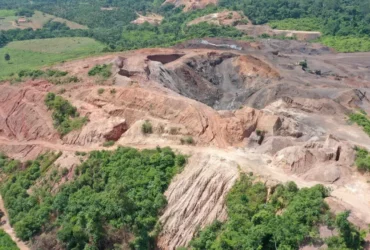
112, 194
287, 219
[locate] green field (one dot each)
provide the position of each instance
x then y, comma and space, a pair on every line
33, 54
37, 21
304, 24
6, 13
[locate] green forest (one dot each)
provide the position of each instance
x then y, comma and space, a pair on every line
337, 20
112, 201
288, 218
6, 243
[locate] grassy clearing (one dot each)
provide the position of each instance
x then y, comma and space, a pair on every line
34, 54
37, 21
6, 13
346, 44
304, 24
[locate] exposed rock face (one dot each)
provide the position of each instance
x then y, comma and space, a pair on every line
220, 80
191, 4
224, 18
109, 129
196, 198
23, 115
324, 162
151, 18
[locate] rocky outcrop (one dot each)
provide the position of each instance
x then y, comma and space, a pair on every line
324, 162
224, 18
98, 131
196, 198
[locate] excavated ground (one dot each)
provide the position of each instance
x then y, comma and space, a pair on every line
248, 106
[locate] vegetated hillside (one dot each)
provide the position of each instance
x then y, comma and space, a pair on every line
285, 218
112, 200
111, 22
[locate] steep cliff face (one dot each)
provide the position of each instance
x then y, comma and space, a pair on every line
196, 198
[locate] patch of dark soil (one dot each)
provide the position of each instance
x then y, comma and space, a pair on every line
164, 59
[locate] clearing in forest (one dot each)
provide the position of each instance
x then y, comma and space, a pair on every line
9, 20
33, 54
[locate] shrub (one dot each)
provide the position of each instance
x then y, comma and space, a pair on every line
101, 70
65, 171
101, 91
173, 130
65, 116
187, 140
113, 91
108, 144
362, 160
147, 127
362, 120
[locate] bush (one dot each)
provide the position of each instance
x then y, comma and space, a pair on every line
113, 91
101, 91
147, 127
101, 70
362, 120
187, 140
362, 159
65, 116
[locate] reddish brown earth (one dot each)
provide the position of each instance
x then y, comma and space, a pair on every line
248, 106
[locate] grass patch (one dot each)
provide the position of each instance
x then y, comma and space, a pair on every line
362, 120
362, 159
303, 24
147, 127
187, 140
6, 13
101, 70
34, 54
65, 116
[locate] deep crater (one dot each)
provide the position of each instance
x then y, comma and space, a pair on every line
222, 80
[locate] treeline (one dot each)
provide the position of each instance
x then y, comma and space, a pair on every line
50, 30
288, 218
111, 201
338, 17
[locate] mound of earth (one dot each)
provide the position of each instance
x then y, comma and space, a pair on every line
224, 18
191, 4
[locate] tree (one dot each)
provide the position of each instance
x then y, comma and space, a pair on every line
7, 57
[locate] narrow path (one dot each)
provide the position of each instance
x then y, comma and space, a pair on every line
9, 230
